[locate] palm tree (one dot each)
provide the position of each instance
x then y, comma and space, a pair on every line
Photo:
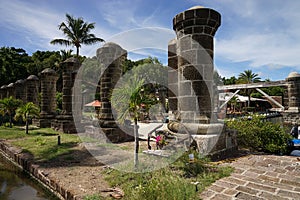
248, 77
127, 100
65, 54
26, 112
77, 32
8, 106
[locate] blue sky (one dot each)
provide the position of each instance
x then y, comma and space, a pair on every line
261, 35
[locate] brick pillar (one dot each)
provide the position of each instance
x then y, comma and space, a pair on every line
195, 29
293, 81
65, 121
48, 97
111, 56
20, 90
11, 90
3, 91
172, 77
70, 67
32, 89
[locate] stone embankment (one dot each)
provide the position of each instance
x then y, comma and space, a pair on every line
25, 162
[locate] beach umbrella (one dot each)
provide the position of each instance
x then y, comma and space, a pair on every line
94, 103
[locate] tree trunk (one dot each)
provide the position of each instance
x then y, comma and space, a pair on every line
10, 120
77, 52
136, 143
249, 97
26, 124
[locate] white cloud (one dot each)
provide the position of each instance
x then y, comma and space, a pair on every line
20, 15
262, 37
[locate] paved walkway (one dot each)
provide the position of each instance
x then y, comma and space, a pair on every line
259, 177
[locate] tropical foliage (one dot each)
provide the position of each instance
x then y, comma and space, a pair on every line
26, 112
8, 106
77, 32
13, 64
260, 135
247, 77
128, 100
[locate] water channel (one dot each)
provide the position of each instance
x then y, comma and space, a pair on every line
17, 185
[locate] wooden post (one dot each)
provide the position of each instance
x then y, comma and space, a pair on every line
58, 140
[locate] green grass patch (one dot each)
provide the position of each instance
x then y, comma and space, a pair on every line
41, 143
172, 182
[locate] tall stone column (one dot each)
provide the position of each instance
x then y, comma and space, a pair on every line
111, 57
70, 67
3, 90
32, 89
293, 81
195, 29
11, 90
48, 79
20, 90
65, 121
172, 77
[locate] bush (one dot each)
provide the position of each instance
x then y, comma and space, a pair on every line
260, 135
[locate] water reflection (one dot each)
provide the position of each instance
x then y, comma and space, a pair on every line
16, 185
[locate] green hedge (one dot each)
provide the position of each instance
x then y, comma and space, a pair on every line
258, 134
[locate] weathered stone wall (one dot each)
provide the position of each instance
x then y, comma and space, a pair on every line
25, 162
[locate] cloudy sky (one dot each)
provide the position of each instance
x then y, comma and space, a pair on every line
261, 35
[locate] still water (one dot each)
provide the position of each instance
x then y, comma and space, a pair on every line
16, 185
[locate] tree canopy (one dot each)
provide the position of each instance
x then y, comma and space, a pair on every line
77, 32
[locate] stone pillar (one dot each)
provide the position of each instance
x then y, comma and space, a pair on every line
172, 78
195, 29
20, 90
70, 67
3, 91
48, 79
111, 57
32, 89
292, 99
11, 90
293, 81
65, 121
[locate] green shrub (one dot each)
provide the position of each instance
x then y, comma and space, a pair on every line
260, 135
7, 125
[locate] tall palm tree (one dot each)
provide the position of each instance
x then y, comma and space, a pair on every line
77, 32
127, 100
248, 77
27, 111
8, 106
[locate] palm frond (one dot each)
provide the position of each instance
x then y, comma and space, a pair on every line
61, 42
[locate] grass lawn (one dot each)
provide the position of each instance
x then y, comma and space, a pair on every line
41, 143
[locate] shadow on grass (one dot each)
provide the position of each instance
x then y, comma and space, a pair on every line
66, 154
